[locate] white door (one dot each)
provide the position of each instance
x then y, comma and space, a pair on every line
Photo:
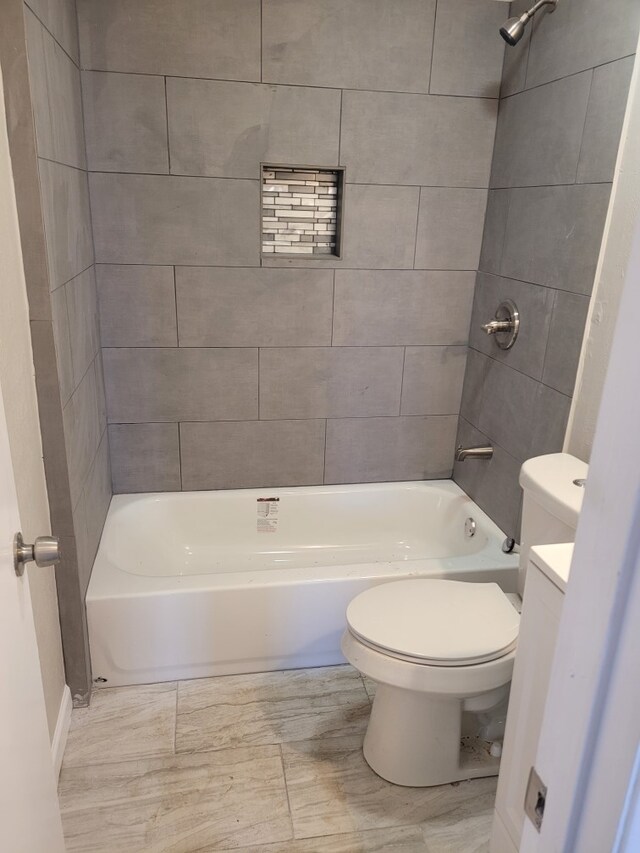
29, 813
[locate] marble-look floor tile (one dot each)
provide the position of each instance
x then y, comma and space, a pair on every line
406, 839
177, 804
332, 790
270, 708
123, 723
454, 832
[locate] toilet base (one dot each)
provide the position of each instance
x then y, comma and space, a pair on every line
414, 739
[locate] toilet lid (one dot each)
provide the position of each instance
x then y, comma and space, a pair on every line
436, 622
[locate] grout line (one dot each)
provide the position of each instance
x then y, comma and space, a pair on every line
180, 452
324, 459
415, 236
333, 306
286, 790
175, 300
258, 376
515, 370
62, 48
404, 359
261, 41
340, 129
142, 349
73, 278
85, 171
166, 116
295, 420
300, 85
433, 44
348, 183
584, 125
175, 720
565, 76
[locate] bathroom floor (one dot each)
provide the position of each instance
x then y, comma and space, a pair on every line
269, 763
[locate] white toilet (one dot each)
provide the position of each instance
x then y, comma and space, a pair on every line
442, 651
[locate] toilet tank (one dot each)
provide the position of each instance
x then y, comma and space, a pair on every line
552, 502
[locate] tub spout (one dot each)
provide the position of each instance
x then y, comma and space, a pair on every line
463, 453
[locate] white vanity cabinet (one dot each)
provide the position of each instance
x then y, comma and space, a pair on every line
546, 578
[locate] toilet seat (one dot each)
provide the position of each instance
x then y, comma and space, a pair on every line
435, 622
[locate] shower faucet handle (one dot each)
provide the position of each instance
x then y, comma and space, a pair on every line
505, 325
496, 326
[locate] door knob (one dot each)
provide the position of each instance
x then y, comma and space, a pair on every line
45, 551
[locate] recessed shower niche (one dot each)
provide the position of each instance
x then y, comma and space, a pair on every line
301, 207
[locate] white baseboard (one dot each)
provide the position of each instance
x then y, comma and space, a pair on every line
62, 730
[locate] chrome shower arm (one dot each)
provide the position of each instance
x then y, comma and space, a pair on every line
531, 12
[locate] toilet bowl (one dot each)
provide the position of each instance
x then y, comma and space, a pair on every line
440, 651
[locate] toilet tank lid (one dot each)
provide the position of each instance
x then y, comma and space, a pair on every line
549, 479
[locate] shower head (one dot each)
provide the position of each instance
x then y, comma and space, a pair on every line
513, 29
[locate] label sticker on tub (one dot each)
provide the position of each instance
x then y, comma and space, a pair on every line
267, 521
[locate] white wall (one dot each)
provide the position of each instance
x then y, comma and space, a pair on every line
18, 389
624, 209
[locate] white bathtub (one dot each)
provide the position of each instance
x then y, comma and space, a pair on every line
212, 583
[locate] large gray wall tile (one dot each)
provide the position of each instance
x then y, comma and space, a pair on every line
391, 308
443, 141
145, 457
252, 454
173, 384
362, 44
365, 450
553, 235
582, 34
338, 382
190, 38
137, 306
231, 307
67, 221
227, 129
565, 341
100, 391
83, 430
531, 150
84, 333
605, 114
495, 224
535, 304
56, 97
60, 320
500, 402
154, 219
432, 380
125, 122
450, 225
549, 421
493, 484
380, 227
476, 68
96, 497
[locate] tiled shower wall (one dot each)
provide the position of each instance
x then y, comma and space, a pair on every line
223, 370
564, 91
42, 89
